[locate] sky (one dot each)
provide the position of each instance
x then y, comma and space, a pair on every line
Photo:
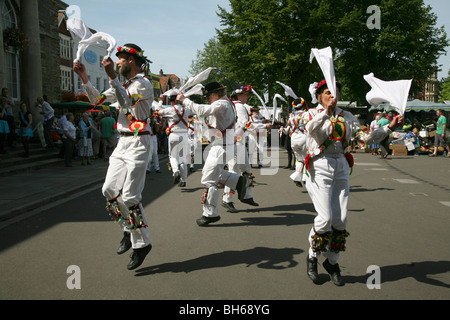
172, 32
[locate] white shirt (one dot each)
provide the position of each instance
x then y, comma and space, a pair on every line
319, 128
176, 124
220, 115
137, 88
47, 110
71, 130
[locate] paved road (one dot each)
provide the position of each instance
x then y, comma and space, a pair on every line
399, 220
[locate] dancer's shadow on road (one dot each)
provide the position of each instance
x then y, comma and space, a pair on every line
420, 271
282, 218
265, 258
277, 219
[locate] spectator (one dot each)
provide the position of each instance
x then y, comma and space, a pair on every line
384, 145
10, 117
25, 129
85, 144
96, 135
4, 128
49, 116
107, 131
439, 138
373, 126
69, 139
61, 121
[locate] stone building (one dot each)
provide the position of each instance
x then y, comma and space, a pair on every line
431, 90
34, 70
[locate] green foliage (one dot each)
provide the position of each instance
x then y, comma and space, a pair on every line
445, 89
263, 41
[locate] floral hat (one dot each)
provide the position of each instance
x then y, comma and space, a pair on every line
134, 50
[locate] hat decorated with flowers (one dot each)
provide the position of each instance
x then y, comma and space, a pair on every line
299, 103
322, 85
242, 88
134, 50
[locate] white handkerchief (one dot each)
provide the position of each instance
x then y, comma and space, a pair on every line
288, 90
312, 91
79, 28
394, 92
324, 58
262, 102
202, 76
275, 104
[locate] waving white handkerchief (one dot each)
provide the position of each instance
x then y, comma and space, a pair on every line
78, 27
202, 76
324, 58
101, 36
275, 104
262, 102
394, 92
288, 90
312, 90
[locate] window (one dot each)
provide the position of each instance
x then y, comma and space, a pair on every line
12, 67
64, 47
66, 79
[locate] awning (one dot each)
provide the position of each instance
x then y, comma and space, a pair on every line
80, 105
414, 105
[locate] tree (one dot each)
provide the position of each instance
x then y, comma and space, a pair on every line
263, 41
445, 89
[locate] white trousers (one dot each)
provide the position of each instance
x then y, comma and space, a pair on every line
154, 160
213, 174
126, 177
256, 144
179, 153
327, 183
238, 164
298, 145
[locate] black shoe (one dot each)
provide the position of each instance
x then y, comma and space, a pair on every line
138, 256
250, 201
229, 206
125, 244
176, 178
192, 169
158, 171
182, 184
334, 272
298, 184
311, 269
241, 187
204, 221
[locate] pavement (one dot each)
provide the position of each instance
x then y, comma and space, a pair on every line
24, 192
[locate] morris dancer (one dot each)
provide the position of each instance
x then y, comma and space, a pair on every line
298, 138
240, 162
125, 178
194, 141
177, 131
329, 133
256, 137
221, 117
